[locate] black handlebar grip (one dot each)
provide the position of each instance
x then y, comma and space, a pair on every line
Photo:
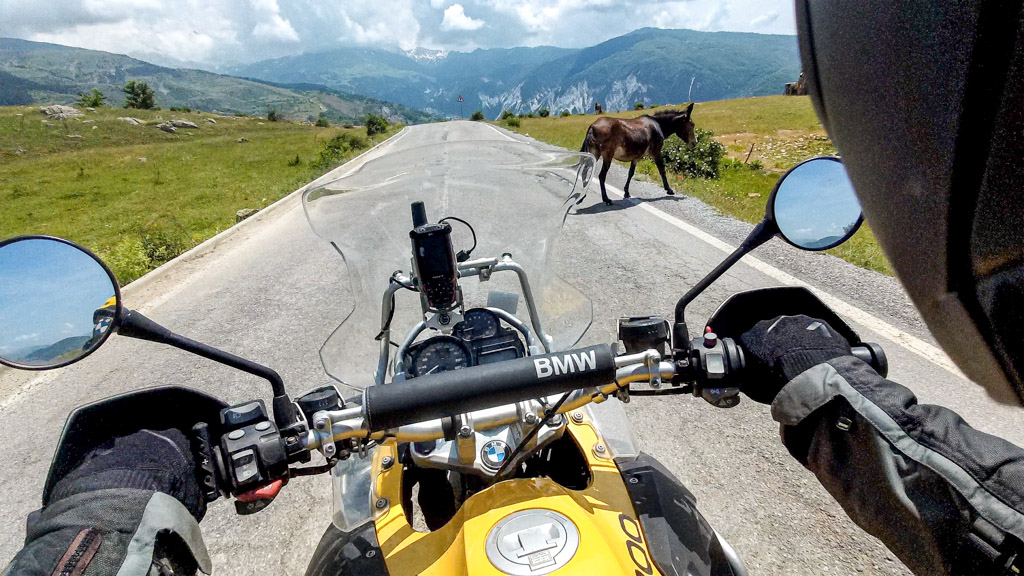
873, 355
460, 391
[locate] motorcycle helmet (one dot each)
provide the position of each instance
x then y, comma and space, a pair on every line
925, 103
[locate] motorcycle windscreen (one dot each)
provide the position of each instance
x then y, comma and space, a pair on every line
515, 195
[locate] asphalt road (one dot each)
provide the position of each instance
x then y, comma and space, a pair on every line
272, 291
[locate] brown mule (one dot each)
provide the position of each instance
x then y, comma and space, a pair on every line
629, 139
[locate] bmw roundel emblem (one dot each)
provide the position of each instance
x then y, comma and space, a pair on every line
494, 453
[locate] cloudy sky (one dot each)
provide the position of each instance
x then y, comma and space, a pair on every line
217, 32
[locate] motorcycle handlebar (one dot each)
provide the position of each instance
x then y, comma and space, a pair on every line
418, 409
471, 389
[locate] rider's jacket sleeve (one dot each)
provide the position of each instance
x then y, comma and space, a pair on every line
125, 532
944, 497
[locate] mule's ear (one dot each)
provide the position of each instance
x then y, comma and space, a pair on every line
689, 110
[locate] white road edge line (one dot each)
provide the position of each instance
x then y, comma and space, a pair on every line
923, 349
502, 134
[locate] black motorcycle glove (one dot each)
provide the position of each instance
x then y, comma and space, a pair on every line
780, 349
156, 460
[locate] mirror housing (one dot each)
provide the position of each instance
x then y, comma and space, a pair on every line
813, 206
45, 266
58, 302
801, 178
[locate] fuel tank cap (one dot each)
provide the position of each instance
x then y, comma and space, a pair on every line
532, 542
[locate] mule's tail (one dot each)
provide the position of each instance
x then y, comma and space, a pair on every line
584, 166
588, 141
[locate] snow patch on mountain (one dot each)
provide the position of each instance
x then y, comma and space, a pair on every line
426, 54
578, 97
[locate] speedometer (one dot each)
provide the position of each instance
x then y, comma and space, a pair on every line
440, 354
478, 323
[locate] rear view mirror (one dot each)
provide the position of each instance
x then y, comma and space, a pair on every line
58, 302
814, 206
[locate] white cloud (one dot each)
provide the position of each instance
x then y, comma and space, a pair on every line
272, 25
380, 23
716, 17
276, 28
765, 19
455, 19
26, 337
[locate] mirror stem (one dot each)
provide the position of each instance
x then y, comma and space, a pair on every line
135, 325
761, 233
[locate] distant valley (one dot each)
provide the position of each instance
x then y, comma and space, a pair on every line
652, 66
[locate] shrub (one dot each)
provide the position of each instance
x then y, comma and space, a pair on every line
513, 122
506, 114
543, 112
93, 99
273, 115
180, 109
756, 165
564, 114
338, 148
701, 161
477, 116
127, 259
530, 114
295, 161
139, 95
323, 122
638, 106
375, 125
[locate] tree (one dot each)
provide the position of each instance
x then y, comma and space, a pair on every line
139, 95
543, 112
93, 99
638, 106
375, 125
323, 122
273, 115
477, 116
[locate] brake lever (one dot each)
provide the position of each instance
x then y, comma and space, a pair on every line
253, 501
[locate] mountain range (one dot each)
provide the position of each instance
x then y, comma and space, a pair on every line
37, 72
648, 65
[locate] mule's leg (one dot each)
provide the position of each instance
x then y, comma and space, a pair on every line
605, 165
632, 168
664, 179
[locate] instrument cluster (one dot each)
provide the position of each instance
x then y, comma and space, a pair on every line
478, 339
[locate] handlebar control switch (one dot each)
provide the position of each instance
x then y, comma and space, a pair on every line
641, 333
716, 364
253, 451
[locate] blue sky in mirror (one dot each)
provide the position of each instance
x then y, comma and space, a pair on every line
48, 293
816, 204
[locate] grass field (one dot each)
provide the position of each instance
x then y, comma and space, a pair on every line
783, 131
139, 196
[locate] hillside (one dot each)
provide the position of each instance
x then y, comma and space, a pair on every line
648, 65
36, 72
139, 196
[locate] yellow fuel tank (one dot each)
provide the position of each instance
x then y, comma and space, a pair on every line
523, 526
